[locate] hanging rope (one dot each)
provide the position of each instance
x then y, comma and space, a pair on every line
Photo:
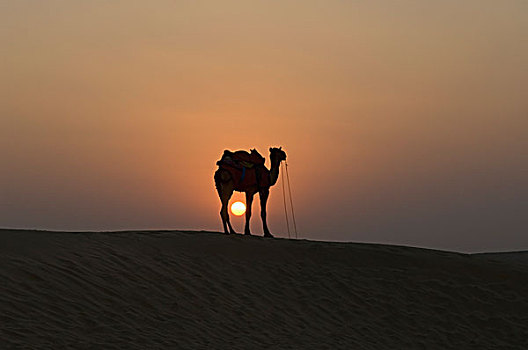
285, 211
291, 201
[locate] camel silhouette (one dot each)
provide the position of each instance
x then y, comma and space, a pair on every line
244, 172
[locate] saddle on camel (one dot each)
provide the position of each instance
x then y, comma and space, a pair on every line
246, 169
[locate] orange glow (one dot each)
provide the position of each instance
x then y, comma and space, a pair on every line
391, 121
238, 208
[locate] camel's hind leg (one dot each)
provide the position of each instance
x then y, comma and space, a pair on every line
225, 191
226, 215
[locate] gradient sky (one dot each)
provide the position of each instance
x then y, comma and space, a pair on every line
404, 122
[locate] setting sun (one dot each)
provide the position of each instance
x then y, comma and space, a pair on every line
238, 208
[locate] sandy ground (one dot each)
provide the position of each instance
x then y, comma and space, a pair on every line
198, 290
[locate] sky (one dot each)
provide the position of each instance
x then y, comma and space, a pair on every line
404, 122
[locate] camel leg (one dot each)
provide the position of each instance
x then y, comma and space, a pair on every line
225, 216
231, 230
225, 192
264, 194
249, 202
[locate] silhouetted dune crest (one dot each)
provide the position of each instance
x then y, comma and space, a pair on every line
169, 289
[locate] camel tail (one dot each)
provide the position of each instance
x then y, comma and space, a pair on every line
221, 177
217, 177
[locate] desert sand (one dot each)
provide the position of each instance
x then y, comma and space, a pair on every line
205, 290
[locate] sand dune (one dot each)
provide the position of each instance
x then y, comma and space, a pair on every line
144, 290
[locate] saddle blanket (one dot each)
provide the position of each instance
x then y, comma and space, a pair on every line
246, 169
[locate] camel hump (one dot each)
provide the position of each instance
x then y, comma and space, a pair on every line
244, 158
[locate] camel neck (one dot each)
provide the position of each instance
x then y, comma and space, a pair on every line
274, 171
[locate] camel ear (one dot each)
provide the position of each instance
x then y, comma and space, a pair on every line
280, 147
270, 149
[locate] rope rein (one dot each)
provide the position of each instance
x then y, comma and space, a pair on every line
291, 203
284, 200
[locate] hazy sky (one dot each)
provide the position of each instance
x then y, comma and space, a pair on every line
404, 121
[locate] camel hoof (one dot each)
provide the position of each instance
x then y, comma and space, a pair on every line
247, 233
269, 235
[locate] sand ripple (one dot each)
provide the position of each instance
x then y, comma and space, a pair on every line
150, 290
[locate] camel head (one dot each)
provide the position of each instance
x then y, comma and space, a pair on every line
277, 153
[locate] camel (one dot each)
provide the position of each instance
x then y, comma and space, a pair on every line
265, 178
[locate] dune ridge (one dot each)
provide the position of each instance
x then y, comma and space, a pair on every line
184, 289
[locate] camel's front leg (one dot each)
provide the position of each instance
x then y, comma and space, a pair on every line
264, 194
249, 202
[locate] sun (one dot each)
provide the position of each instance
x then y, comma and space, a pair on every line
238, 208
